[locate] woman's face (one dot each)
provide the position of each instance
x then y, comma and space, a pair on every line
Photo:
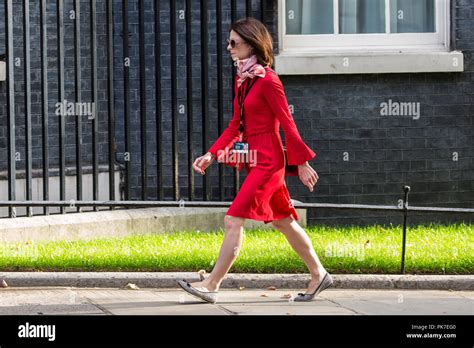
241, 49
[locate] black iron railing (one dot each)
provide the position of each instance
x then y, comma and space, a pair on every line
61, 41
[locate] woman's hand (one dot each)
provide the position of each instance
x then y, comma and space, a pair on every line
308, 175
201, 163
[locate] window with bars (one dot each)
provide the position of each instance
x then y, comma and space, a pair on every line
357, 24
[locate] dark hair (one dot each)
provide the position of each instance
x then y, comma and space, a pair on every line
256, 34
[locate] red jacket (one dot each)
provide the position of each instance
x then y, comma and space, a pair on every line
266, 108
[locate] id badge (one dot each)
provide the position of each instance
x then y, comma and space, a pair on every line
240, 147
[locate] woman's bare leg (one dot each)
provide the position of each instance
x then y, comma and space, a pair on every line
301, 243
229, 251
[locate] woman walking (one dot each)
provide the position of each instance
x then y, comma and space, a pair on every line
260, 107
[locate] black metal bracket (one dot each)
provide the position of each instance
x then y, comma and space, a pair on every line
406, 189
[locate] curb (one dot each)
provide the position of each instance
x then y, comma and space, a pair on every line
234, 280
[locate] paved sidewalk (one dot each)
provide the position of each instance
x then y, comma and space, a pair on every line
113, 301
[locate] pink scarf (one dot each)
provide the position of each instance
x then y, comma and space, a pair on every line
249, 68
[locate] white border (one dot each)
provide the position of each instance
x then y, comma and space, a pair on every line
369, 53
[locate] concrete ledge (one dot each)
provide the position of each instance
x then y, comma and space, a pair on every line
250, 281
311, 63
118, 223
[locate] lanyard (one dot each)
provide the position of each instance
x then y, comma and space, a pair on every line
241, 102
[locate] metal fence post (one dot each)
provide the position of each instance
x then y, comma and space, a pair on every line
405, 213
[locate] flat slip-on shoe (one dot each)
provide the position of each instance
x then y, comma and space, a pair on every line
208, 296
325, 283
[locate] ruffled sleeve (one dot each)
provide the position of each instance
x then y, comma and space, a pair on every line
230, 134
297, 151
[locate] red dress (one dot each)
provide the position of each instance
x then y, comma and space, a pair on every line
264, 195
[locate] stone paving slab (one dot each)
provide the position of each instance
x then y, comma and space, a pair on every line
39, 301
113, 301
402, 302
